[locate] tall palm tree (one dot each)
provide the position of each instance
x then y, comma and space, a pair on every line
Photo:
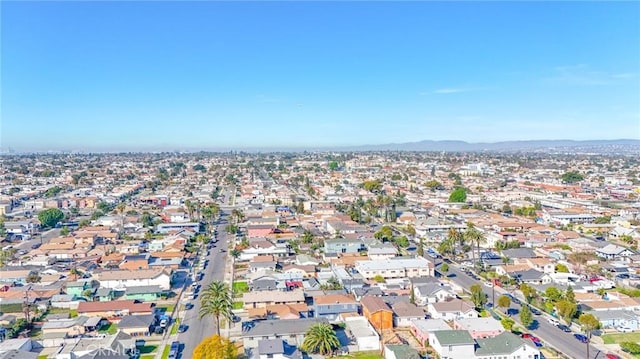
190, 206
237, 215
320, 338
475, 237
307, 236
454, 237
216, 300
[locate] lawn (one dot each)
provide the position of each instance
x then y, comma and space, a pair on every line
239, 288
174, 328
165, 352
364, 355
148, 356
621, 337
238, 305
109, 329
148, 349
168, 309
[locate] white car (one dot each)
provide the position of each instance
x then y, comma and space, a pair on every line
488, 284
624, 329
554, 321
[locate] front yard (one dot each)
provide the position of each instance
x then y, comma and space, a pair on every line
239, 288
238, 305
621, 337
363, 355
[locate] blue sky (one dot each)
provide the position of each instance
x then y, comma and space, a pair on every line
175, 75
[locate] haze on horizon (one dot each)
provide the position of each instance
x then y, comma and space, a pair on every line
214, 75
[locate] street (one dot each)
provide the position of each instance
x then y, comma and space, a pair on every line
548, 333
199, 329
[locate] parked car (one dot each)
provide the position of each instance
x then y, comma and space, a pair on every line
581, 337
612, 356
554, 321
564, 328
174, 350
624, 329
182, 328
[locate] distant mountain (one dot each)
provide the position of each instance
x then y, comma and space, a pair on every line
624, 145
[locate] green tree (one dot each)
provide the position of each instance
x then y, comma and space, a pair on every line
458, 195
379, 279
65, 231
320, 339
50, 217
235, 253
526, 318
528, 292
504, 301
630, 347
507, 323
216, 300
444, 269
561, 268
307, 236
572, 177
420, 250
589, 323
553, 294
569, 295
402, 242
373, 186
602, 220
566, 310
333, 166
475, 237
52, 192
434, 185
478, 297
146, 219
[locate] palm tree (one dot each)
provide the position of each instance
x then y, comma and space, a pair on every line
320, 338
237, 215
216, 300
307, 236
474, 236
190, 208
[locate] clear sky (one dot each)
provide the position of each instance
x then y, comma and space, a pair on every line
202, 75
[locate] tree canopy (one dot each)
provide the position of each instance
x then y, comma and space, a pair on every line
50, 217
572, 177
459, 195
321, 339
215, 347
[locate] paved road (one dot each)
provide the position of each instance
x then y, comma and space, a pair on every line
550, 334
199, 329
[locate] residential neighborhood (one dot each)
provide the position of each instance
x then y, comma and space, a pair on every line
370, 254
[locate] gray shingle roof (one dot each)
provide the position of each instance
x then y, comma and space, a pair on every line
283, 327
453, 337
502, 344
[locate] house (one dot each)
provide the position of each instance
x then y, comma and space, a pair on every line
261, 299
262, 248
451, 310
507, 346
147, 293
275, 349
452, 344
122, 279
331, 306
72, 327
137, 325
377, 312
422, 328
113, 309
479, 327
432, 293
613, 252
405, 312
618, 318
400, 351
398, 267
343, 245
381, 251
117, 346
292, 331
135, 262
531, 276
364, 334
